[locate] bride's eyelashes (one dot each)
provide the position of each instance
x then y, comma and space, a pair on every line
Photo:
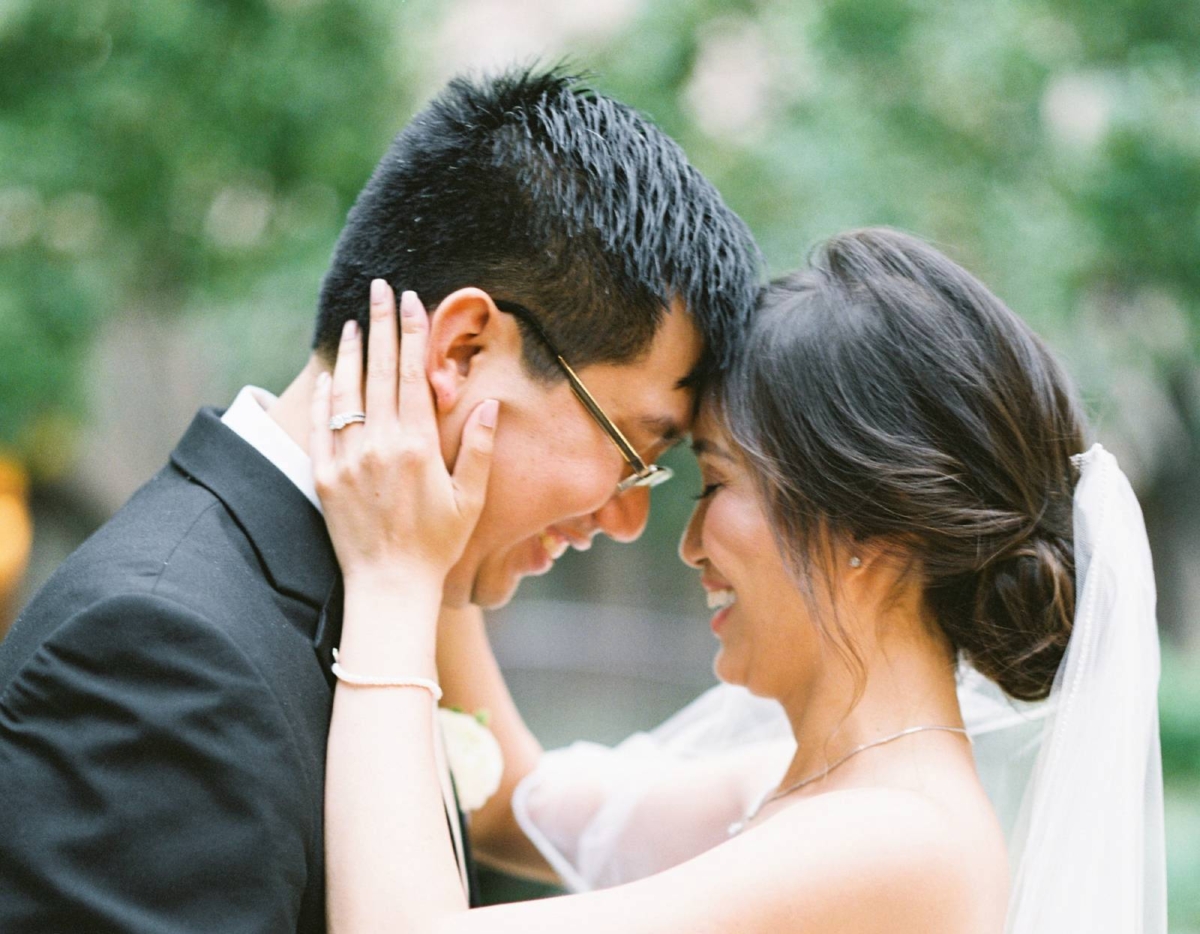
709, 490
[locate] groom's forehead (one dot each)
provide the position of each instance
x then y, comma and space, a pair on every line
652, 395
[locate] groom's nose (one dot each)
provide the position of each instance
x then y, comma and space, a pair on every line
623, 517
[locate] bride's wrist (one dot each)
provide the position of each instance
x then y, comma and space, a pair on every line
391, 623
404, 582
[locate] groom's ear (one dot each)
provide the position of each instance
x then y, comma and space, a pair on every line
464, 328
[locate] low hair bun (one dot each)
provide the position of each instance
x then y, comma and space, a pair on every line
1024, 609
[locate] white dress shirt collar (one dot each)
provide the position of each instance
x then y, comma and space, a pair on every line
248, 418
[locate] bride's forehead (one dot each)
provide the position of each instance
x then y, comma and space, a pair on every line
707, 425
708, 430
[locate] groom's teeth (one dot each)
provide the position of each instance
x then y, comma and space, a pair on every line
554, 546
719, 599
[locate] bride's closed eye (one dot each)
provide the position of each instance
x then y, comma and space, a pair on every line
709, 490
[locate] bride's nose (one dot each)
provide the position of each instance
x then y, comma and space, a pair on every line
691, 551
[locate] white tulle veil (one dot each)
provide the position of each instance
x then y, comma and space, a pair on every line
1076, 780
1087, 847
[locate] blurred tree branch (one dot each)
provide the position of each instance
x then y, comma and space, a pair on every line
155, 155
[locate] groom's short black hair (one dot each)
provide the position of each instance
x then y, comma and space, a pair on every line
545, 193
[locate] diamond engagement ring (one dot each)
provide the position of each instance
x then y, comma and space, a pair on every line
338, 422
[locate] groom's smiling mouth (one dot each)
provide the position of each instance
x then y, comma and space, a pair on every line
554, 543
551, 544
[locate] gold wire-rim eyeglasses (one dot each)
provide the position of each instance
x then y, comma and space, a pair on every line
644, 475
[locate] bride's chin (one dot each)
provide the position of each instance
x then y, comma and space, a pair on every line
729, 672
725, 671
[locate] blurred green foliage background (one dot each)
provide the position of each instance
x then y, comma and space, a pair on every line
186, 165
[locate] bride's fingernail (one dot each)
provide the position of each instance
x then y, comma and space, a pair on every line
378, 291
488, 412
408, 303
350, 330
322, 380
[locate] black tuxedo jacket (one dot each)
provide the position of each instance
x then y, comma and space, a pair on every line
164, 705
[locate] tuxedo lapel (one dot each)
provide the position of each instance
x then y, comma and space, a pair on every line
286, 531
329, 629
291, 541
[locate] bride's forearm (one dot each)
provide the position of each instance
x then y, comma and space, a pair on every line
473, 681
391, 861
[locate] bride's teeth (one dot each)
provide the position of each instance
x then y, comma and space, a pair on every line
719, 599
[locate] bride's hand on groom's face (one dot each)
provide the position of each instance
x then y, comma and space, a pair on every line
392, 507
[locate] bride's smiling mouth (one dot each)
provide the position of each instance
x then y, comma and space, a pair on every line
720, 599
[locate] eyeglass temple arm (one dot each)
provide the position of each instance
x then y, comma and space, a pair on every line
614, 433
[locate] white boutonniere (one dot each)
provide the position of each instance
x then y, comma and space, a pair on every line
474, 756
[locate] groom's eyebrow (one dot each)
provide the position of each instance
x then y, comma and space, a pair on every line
663, 428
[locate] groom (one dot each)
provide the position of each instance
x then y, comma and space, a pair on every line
164, 700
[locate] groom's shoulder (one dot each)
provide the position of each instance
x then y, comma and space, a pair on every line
169, 528
171, 556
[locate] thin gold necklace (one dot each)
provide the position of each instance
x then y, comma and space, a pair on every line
738, 826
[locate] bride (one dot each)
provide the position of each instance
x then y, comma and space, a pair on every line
896, 502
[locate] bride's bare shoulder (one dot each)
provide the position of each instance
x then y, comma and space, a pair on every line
885, 859
861, 861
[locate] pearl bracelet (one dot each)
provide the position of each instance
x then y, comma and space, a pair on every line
368, 681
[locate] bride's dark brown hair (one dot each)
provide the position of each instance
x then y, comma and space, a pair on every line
885, 394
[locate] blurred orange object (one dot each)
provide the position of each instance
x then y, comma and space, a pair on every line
16, 530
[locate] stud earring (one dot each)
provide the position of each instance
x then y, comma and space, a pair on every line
855, 561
